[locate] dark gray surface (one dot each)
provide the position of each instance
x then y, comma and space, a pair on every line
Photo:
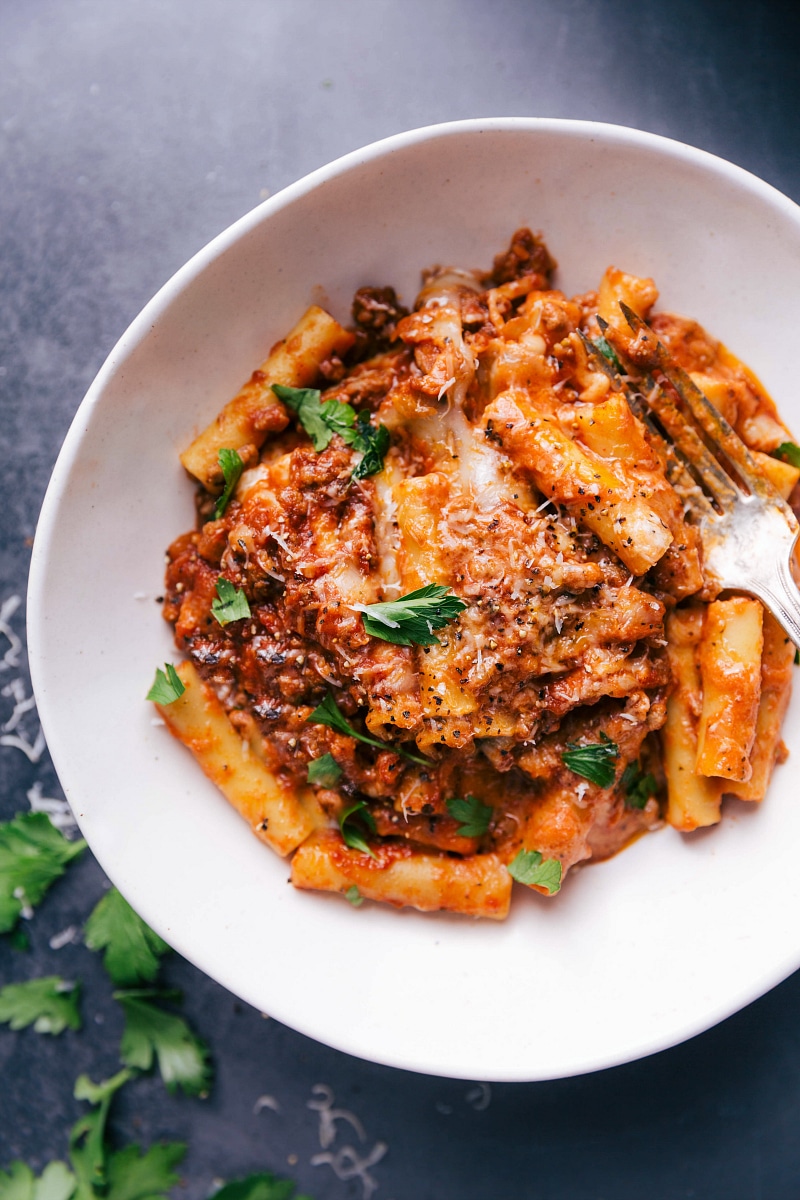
131, 133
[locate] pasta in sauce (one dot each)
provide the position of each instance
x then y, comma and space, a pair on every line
547, 673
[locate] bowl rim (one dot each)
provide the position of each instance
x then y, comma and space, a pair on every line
139, 329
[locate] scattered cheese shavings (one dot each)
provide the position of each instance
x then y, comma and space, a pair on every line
280, 539
58, 811
12, 654
328, 1115
445, 386
479, 1097
346, 1164
68, 935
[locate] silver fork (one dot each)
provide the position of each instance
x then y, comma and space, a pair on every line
747, 529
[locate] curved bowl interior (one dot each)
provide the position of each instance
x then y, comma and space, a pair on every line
635, 954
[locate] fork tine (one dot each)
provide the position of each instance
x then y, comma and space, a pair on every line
706, 415
685, 447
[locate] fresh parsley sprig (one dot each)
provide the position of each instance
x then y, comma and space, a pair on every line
322, 419
132, 949
153, 1034
328, 714
126, 1174
231, 603
348, 827
261, 1186
411, 620
49, 1004
231, 466
56, 1182
324, 771
637, 786
530, 867
167, 686
593, 761
33, 855
473, 814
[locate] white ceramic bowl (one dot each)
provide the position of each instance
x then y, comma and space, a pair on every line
635, 954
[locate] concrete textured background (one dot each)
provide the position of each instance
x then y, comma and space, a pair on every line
131, 132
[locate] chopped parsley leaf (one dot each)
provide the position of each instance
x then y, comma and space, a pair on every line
373, 442
530, 868
321, 420
33, 855
788, 451
411, 620
594, 761
230, 604
354, 897
151, 1033
328, 714
325, 771
638, 788
49, 1004
604, 347
474, 815
351, 835
167, 686
231, 466
132, 949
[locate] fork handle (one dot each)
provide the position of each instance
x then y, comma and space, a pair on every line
782, 598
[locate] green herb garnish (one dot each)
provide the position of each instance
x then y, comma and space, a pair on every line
604, 347
132, 949
530, 868
638, 787
328, 714
325, 771
167, 686
33, 855
373, 442
354, 897
349, 830
321, 420
151, 1033
49, 1004
474, 815
788, 451
125, 1174
231, 603
56, 1182
411, 620
261, 1186
88, 1151
594, 761
231, 466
